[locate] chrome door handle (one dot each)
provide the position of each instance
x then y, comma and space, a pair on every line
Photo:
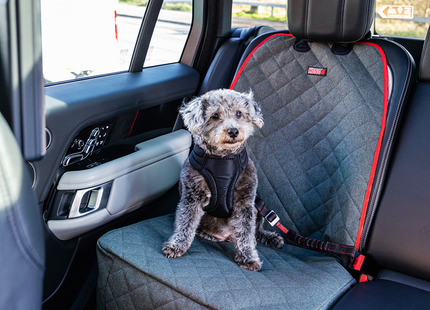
91, 203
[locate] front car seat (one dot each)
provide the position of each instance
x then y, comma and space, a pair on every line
22, 248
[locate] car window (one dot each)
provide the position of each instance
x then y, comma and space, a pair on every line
170, 33
83, 38
87, 37
402, 18
272, 13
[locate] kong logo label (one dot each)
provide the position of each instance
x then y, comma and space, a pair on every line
317, 71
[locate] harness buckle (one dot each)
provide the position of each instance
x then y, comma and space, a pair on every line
272, 218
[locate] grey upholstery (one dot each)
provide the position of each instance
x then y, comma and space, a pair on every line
315, 152
134, 274
21, 235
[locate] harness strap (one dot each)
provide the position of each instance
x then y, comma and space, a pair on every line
355, 259
221, 174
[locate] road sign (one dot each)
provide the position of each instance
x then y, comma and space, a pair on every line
396, 11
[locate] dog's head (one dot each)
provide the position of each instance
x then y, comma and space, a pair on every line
222, 120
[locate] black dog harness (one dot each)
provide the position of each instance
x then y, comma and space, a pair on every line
221, 174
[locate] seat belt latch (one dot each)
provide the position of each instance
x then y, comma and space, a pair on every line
272, 218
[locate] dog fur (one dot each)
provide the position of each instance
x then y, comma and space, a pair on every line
209, 119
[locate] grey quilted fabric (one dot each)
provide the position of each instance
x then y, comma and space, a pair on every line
134, 274
315, 151
313, 156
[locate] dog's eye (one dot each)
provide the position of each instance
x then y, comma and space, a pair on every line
238, 114
215, 116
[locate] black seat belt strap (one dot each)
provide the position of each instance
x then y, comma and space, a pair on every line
354, 257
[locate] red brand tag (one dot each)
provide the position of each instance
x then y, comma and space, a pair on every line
317, 71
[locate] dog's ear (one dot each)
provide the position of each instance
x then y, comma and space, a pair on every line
257, 118
192, 114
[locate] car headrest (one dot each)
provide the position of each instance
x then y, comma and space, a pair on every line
424, 70
335, 21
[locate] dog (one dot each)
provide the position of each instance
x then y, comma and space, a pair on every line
220, 122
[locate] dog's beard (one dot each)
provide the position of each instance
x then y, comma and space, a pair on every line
231, 143
221, 139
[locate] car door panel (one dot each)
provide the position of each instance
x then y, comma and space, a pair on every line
74, 109
74, 106
119, 186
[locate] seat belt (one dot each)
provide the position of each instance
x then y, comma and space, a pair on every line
349, 254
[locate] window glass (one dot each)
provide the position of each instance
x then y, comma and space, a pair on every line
170, 33
272, 13
406, 18
87, 37
403, 18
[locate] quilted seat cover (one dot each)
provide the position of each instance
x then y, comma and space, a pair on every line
315, 157
134, 274
315, 152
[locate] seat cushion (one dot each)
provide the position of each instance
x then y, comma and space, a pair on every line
134, 274
384, 294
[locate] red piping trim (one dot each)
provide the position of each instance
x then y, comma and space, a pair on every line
250, 55
132, 125
378, 146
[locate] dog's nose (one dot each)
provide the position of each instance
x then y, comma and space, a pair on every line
233, 132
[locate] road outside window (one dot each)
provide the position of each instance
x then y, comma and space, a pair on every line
170, 33
272, 13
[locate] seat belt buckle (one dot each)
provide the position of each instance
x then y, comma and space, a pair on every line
358, 262
272, 218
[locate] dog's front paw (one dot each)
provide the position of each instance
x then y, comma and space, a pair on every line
275, 241
172, 250
270, 238
248, 263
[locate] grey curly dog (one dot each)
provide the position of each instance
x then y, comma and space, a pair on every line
220, 122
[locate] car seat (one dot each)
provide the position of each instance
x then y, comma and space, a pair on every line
332, 100
22, 242
398, 240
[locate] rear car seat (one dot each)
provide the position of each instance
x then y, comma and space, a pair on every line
221, 70
331, 114
398, 241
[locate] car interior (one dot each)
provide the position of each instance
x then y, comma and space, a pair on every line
89, 168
